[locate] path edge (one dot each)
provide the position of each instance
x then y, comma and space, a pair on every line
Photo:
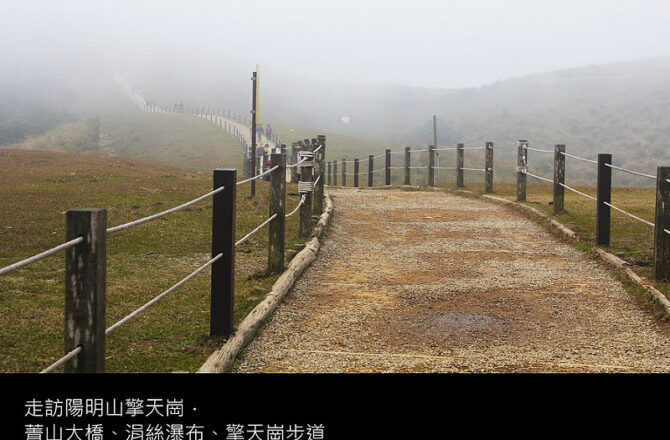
222, 359
605, 256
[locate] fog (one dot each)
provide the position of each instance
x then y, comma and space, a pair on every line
388, 65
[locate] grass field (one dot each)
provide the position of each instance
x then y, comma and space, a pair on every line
36, 188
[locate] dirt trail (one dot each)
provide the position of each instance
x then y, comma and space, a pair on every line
433, 282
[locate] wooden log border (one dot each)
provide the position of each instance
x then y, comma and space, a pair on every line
222, 359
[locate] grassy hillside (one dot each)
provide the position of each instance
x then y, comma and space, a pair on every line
36, 189
121, 130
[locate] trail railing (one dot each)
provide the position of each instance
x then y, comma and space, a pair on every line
86, 256
603, 197
431, 169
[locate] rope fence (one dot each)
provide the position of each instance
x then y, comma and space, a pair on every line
86, 257
433, 165
603, 198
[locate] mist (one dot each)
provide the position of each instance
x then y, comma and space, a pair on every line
385, 67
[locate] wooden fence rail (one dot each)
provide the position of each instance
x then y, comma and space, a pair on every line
86, 256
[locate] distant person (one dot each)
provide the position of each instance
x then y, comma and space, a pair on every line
259, 154
259, 131
268, 132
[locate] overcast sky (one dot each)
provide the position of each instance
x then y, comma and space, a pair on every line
427, 43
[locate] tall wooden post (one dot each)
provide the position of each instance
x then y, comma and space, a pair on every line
223, 242
521, 168
387, 167
431, 165
604, 194
277, 206
356, 173
559, 179
319, 174
294, 159
488, 166
371, 164
330, 173
85, 281
253, 132
407, 165
334, 173
460, 159
662, 222
344, 172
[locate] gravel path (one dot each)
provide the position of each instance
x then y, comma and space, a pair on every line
433, 282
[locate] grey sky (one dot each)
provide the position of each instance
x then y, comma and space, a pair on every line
428, 43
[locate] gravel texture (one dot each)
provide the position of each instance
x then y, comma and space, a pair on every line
434, 282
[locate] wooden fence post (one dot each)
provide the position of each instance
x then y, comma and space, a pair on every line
407, 165
460, 160
371, 163
223, 242
294, 159
521, 168
277, 206
488, 166
387, 167
319, 175
662, 222
431, 165
356, 173
604, 194
559, 179
335, 173
85, 284
305, 188
330, 175
344, 172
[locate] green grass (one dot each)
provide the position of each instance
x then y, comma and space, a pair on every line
36, 188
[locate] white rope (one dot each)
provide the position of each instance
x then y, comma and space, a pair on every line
666, 231
296, 164
629, 214
257, 176
381, 169
419, 151
538, 150
156, 299
302, 200
320, 147
538, 177
577, 157
41, 255
480, 169
243, 239
445, 149
474, 148
379, 155
62, 360
317, 180
446, 168
161, 214
629, 171
578, 192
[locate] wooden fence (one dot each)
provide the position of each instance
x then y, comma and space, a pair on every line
86, 255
